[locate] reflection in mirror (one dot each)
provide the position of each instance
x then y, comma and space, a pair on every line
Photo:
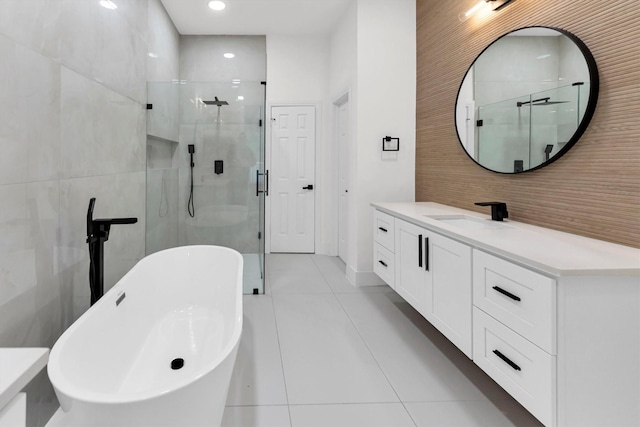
526, 99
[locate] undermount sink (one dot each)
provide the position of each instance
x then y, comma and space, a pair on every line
467, 222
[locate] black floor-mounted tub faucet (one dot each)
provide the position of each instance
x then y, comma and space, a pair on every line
97, 234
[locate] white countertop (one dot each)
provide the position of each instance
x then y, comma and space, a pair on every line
18, 366
554, 252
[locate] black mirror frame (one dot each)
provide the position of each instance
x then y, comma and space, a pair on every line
589, 111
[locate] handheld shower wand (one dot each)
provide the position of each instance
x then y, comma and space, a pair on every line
190, 206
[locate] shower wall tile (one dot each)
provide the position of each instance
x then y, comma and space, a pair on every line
34, 24
121, 61
164, 45
238, 112
100, 44
72, 125
160, 153
121, 195
533, 60
201, 58
79, 40
224, 214
162, 210
163, 120
29, 114
30, 300
102, 132
135, 13
39, 86
573, 67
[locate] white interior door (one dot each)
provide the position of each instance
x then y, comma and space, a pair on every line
293, 136
343, 185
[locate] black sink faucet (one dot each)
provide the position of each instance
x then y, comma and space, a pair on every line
97, 234
498, 210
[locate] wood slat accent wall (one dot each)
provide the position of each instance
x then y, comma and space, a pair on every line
594, 189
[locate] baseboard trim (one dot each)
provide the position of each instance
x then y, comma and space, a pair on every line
363, 278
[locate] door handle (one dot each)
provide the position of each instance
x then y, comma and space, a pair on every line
308, 187
266, 184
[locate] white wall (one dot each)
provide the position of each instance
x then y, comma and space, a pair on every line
343, 77
386, 100
298, 73
371, 54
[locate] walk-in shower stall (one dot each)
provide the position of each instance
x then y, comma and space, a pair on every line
205, 169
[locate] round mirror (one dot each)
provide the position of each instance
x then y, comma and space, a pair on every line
526, 99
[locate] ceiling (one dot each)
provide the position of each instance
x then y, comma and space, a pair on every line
256, 17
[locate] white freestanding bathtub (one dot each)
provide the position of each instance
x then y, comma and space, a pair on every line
158, 349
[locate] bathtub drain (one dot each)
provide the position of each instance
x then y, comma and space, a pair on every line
177, 363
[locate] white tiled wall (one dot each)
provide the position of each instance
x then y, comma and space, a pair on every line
72, 126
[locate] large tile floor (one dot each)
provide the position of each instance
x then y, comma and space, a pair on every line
316, 351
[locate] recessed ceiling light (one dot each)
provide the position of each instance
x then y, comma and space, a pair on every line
241, 98
152, 55
108, 4
229, 55
217, 5
235, 81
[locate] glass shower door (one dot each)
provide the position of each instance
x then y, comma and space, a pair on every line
265, 190
203, 172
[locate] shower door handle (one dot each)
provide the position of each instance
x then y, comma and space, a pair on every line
266, 183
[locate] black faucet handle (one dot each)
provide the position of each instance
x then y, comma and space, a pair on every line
110, 221
100, 227
498, 210
92, 203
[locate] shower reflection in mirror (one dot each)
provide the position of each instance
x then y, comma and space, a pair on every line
523, 99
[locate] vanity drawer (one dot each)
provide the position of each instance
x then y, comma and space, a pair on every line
383, 229
383, 264
523, 300
524, 370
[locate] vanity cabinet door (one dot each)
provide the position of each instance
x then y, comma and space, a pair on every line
450, 283
433, 274
411, 276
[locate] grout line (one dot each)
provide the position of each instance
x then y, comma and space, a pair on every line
325, 277
274, 405
284, 375
345, 403
376, 360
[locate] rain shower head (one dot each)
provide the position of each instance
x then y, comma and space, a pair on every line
217, 102
541, 101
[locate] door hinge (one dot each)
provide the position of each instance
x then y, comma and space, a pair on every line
149, 106
259, 235
479, 122
260, 123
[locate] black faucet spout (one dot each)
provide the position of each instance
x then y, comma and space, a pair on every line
498, 210
98, 233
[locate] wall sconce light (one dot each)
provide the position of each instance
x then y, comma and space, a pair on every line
390, 144
482, 4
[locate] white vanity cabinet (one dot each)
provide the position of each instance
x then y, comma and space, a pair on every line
433, 274
383, 247
514, 331
552, 317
